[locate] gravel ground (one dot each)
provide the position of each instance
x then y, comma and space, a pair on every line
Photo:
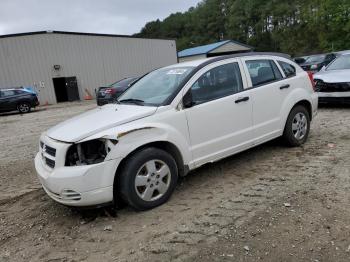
270, 203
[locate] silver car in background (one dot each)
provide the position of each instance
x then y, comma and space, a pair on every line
333, 82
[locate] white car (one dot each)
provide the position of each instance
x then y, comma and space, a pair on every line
333, 81
171, 121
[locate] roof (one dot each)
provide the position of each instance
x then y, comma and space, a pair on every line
204, 49
205, 61
75, 33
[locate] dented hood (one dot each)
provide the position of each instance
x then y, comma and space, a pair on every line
97, 120
334, 76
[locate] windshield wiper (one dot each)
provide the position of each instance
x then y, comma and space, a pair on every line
132, 101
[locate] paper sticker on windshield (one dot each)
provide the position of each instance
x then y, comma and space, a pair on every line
178, 71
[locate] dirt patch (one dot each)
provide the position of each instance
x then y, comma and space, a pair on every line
270, 203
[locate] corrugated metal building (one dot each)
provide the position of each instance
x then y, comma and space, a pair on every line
80, 61
220, 48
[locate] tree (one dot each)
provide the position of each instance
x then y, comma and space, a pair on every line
295, 27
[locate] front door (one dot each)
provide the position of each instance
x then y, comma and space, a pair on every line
220, 119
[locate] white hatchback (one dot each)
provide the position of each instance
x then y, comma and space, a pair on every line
171, 121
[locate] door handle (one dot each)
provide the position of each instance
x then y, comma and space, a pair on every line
284, 87
242, 99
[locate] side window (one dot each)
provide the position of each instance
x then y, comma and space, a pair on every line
263, 71
218, 82
7, 93
288, 69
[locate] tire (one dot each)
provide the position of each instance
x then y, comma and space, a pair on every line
297, 126
24, 107
148, 178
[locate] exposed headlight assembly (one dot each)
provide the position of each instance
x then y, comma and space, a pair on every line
89, 152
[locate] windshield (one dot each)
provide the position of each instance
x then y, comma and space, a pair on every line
315, 59
343, 62
154, 88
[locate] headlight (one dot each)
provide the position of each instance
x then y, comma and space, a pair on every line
313, 67
89, 152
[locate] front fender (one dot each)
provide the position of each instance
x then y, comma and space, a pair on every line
134, 137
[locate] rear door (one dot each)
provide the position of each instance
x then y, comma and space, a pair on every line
8, 100
220, 120
270, 88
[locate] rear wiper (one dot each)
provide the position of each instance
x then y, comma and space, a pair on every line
132, 101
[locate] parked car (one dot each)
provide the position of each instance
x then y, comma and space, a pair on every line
333, 81
171, 121
314, 63
17, 99
109, 94
300, 60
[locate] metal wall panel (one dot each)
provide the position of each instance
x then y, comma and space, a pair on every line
96, 61
191, 58
230, 47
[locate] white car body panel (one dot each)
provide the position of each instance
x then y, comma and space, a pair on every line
203, 133
93, 121
334, 76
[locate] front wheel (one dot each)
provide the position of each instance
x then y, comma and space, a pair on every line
148, 178
24, 107
297, 127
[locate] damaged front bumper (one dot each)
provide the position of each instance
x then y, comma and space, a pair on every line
85, 185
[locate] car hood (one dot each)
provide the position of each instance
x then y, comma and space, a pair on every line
97, 120
334, 76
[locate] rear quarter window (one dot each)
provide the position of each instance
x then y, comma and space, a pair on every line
288, 69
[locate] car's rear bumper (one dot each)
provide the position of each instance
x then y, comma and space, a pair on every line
314, 100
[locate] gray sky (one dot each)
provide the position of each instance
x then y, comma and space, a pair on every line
99, 16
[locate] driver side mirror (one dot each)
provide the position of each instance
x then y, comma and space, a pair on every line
187, 100
323, 68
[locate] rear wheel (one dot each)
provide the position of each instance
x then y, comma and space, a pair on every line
148, 178
297, 127
24, 107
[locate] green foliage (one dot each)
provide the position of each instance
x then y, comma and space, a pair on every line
296, 27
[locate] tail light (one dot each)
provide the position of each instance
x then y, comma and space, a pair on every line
110, 91
311, 77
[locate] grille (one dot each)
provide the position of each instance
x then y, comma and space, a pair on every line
331, 87
50, 162
50, 150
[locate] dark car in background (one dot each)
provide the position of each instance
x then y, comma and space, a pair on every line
17, 99
300, 60
314, 63
110, 93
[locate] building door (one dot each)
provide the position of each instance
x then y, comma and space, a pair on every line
66, 89
72, 88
